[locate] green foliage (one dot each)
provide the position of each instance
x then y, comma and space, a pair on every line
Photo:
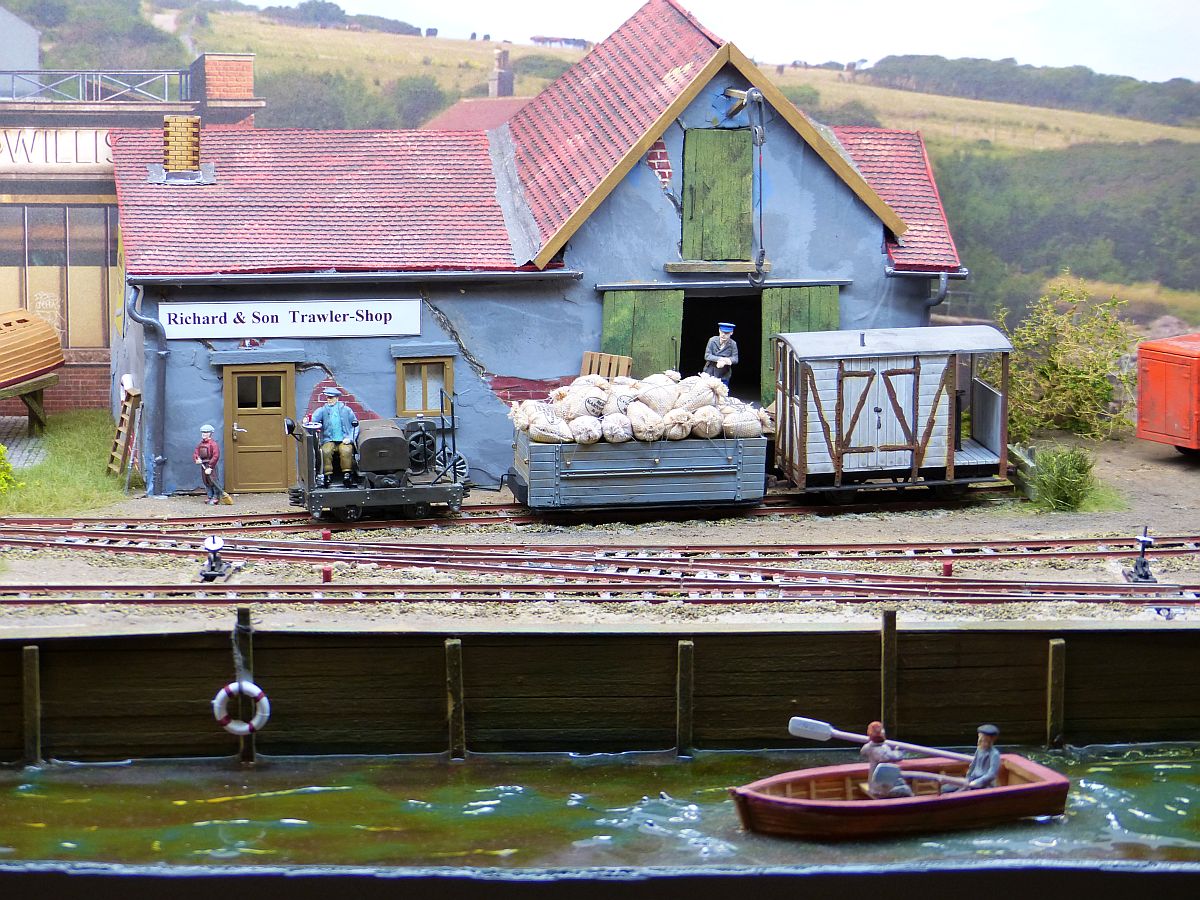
539, 65
1063, 478
297, 98
99, 34
73, 476
310, 12
8, 480
805, 96
1065, 371
416, 99
1118, 212
1174, 102
852, 112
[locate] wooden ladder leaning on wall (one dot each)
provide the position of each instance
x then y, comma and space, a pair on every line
122, 445
610, 365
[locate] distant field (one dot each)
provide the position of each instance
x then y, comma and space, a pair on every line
458, 65
1147, 300
945, 121
376, 57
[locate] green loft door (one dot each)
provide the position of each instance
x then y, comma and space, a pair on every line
717, 186
645, 325
791, 309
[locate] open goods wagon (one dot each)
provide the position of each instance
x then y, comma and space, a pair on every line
1169, 392
883, 406
637, 473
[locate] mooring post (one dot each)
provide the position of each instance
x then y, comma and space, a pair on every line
243, 651
456, 718
31, 704
887, 671
1056, 692
684, 698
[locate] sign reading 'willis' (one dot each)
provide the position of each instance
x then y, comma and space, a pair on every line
50, 150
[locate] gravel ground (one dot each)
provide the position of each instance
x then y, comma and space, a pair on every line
1153, 485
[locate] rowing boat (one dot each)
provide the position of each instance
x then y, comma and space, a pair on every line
29, 347
831, 802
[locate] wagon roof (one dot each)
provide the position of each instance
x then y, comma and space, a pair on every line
860, 342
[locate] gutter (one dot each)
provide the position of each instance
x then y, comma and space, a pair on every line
943, 281
353, 277
158, 460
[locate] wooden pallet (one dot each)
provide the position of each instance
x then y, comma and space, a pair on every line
122, 445
610, 365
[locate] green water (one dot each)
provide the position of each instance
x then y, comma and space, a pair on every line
545, 812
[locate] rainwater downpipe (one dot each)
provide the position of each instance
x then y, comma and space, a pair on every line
942, 277
154, 480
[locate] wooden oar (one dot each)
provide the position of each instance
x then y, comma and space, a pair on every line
816, 730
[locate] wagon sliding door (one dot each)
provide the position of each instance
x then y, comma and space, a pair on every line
645, 325
788, 310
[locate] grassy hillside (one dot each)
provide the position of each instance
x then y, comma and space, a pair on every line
458, 66
377, 58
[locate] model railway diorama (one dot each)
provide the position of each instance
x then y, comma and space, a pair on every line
875, 408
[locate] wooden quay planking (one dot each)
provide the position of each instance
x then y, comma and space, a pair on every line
86, 697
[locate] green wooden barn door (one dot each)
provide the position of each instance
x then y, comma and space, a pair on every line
791, 309
717, 185
645, 325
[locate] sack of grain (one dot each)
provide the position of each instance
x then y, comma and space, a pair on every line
527, 410
590, 381
658, 392
677, 424
647, 424
550, 430
617, 428
586, 429
619, 399
584, 401
698, 391
707, 422
742, 423
623, 381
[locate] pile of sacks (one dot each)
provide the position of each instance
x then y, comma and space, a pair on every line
593, 408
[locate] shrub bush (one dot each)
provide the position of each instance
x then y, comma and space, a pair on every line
7, 479
1063, 477
1066, 368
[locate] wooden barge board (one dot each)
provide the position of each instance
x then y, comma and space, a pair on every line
115, 697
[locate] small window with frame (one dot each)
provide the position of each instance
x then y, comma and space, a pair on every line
419, 383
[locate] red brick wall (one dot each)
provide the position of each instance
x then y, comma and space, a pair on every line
80, 386
658, 160
228, 77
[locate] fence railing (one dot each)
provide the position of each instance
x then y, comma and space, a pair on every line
156, 86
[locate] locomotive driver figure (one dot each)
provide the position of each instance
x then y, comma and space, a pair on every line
337, 422
721, 353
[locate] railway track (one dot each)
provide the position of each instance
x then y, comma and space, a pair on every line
655, 590
520, 571
477, 514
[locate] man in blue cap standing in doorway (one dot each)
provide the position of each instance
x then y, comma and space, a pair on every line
720, 356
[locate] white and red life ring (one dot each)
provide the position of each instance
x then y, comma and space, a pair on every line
262, 708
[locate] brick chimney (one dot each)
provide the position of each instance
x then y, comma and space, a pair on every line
181, 143
222, 84
500, 82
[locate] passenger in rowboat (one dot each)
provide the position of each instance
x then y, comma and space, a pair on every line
985, 765
876, 751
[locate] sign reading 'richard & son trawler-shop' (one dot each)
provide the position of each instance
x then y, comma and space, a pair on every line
308, 318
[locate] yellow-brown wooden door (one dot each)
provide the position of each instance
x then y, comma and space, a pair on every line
259, 456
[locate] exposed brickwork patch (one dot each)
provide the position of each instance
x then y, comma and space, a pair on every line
315, 399
658, 160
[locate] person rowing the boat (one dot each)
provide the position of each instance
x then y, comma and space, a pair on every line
985, 764
876, 751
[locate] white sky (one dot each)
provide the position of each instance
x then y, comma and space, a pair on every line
1153, 40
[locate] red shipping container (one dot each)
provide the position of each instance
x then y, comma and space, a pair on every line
1169, 392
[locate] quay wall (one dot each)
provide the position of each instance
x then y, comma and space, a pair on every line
93, 698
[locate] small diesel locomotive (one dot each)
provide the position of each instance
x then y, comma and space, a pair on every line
401, 467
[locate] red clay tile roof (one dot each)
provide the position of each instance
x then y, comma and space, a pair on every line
573, 134
476, 114
289, 200
896, 166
